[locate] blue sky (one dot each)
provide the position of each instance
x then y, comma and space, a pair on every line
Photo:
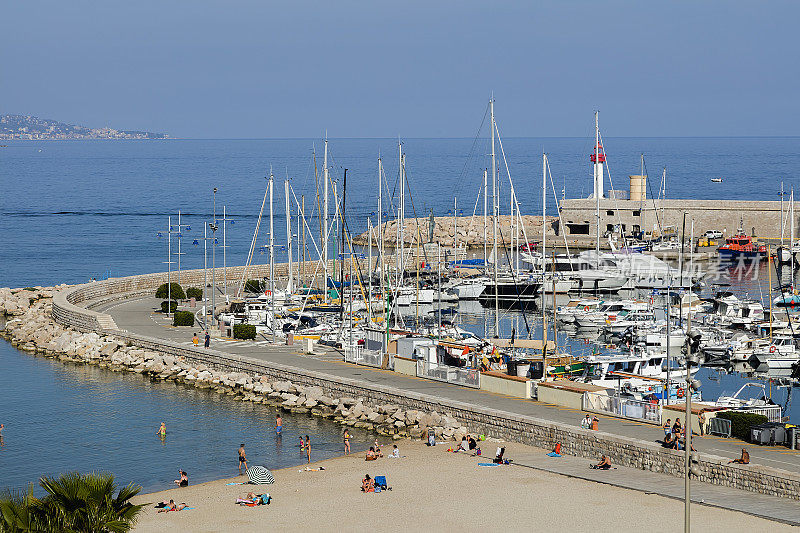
256, 69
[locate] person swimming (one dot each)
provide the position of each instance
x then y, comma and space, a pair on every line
278, 425
162, 431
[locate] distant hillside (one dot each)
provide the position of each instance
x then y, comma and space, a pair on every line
29, 127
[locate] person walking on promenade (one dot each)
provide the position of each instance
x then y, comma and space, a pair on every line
308, 448
207, 342
242, 458
195, 341
278, 425
346, 442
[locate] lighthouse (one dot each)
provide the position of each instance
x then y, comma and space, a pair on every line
598, 157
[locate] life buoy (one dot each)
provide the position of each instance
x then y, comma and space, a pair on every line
680, 392
771, 349
585, 307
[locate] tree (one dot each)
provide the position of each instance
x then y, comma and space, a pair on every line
87, 503
163, 292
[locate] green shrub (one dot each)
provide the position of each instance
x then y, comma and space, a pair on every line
183, 318
194, 292
244, 331
742, 422
177, 291
254, 285
172, 307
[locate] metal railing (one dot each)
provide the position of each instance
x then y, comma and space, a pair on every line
627, 407
772, 412
361, 356
468, 377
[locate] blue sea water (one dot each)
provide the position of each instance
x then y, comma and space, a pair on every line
65, 417
72, 210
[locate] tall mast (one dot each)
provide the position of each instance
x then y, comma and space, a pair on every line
455, 229
544, 210
402, 214
325, 220
271, 258
598, 169
485, 220
381, 236
288, 236
494, 240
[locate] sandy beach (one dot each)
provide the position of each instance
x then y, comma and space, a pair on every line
436, 491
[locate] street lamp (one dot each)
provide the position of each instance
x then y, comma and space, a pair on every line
179, 234
690, 458
224, 247
160, 234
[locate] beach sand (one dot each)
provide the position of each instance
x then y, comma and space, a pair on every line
436, 491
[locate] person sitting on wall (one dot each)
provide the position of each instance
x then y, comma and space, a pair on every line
743, 460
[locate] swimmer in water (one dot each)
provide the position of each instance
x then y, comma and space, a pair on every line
278, 425
162, 431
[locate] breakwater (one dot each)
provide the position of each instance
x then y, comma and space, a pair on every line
462, 231
48, 326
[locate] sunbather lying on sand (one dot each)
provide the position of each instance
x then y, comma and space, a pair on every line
171, 506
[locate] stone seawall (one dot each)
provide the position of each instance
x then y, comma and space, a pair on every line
358, 402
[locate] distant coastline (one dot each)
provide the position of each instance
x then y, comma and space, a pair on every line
28, 127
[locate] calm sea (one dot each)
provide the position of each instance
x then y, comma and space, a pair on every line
72, 210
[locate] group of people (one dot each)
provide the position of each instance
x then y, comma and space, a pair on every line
675, 435
375, 452
590, 423
206, 340
468, 444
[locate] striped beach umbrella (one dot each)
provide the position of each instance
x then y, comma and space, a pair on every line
259, 475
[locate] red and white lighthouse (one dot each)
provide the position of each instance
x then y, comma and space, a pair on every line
598, 157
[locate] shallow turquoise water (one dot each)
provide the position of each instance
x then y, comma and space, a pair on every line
60, 417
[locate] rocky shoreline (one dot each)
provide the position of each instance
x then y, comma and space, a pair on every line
31, 328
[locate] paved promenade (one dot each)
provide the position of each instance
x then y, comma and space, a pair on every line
138, 316
770, 507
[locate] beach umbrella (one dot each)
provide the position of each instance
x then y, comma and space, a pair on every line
259, 475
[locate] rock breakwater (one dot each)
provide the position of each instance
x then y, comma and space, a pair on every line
30, 327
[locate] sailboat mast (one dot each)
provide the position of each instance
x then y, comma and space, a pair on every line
289, 282
325, 220
494, 240
544, 211
401, 226
485, 220
271, 258
597, 184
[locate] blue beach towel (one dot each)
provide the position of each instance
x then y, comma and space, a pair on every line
554, 454
488, 464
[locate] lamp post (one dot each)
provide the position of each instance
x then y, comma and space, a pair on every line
690, 458
213, 226
196, 242
179, 234
224, 247
168, 262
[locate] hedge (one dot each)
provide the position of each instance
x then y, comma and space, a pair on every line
177, 291
172, 308
183, 318
254, 285
194, 292
742, 422
244, 331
